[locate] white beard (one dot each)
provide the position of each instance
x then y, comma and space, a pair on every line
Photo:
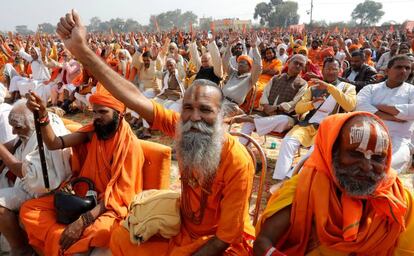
200, 152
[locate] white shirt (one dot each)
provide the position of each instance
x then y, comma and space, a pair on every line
6, 133
39, 70
401, 97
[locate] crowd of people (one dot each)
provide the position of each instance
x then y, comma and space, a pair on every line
348, 97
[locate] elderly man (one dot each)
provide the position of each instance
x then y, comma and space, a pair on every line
347, 200
147, 66
242, 79
321, 99
172, 89
279, 100
109, 154
22, 178
359, 73
6, 133
385, 57
209, 66
393, 101
216, 171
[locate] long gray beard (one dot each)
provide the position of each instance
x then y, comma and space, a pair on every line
200, 152
355, 187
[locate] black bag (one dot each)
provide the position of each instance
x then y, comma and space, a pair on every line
70, 207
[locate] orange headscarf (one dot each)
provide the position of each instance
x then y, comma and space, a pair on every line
327, 52
342, 222
104, 98
353, 47
246, 58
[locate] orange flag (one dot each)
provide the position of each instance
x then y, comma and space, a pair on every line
336, 30
156, 24
191, 28
244, 29
212, 27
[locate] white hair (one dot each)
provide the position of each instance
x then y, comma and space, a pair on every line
21, 115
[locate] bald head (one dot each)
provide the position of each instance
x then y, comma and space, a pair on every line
206, 60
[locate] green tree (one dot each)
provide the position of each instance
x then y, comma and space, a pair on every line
367, 13
171, 19
94, 24
23, 30
47, 28
277, 13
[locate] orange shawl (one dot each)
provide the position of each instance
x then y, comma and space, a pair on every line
342, 222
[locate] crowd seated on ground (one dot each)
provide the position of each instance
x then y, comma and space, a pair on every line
345, 96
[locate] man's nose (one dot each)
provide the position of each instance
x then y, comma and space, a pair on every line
195, 116
366, 165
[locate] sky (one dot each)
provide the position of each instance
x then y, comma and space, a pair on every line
33, 12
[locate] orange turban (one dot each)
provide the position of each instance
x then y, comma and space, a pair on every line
353, 47
246, 58
104, 98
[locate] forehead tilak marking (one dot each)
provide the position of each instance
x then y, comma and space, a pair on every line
372, 138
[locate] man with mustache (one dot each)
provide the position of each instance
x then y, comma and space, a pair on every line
109, 154
216, 170
21, 176
347, 200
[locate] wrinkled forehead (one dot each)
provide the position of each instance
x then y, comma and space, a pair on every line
17, 119
367, 137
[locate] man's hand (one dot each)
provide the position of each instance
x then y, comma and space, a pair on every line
71, 234
73, 33
319, 84
388, 109
35, 103
388, 117
270, 110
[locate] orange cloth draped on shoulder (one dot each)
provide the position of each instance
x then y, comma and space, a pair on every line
369, 225
115, 167
71, 125
275, 65
225, 216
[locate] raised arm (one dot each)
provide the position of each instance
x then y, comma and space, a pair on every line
73, 34
53, 142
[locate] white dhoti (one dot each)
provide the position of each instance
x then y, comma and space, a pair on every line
265, 125
401, 154
288, 148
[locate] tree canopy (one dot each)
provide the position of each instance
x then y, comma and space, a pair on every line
367, 13
171, 19
277, 13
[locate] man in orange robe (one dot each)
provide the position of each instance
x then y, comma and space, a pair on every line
271, 67
216, 170
314, 54
108, 153
346, 200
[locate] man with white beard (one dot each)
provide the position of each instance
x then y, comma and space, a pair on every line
216, 183
21, 176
